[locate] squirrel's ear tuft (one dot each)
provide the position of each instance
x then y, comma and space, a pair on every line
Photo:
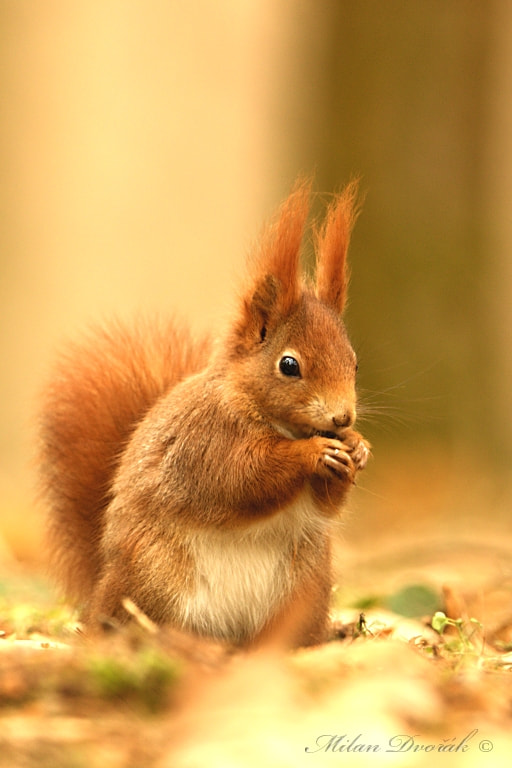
278, 255
274, 280
331, 248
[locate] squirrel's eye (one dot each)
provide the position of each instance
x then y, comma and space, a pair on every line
289, 366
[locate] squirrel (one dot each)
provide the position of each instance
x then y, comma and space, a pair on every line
202, 480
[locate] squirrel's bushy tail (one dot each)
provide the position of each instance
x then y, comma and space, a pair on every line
98, 392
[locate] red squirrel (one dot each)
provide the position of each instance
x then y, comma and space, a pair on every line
203, 480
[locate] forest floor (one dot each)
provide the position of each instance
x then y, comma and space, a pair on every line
391, 690
422, 666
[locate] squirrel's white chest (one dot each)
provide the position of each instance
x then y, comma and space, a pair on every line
242, 577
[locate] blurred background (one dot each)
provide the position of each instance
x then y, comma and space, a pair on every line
143, 145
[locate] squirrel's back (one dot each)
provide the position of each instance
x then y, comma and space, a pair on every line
99, 390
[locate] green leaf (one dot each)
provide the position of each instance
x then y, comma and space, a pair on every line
414, 601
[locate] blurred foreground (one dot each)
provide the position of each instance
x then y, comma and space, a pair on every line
389, 686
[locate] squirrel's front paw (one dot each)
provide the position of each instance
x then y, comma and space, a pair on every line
334, 459
357, 448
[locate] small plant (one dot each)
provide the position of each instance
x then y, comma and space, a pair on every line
462, 643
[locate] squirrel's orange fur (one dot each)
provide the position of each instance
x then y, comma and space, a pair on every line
202, 481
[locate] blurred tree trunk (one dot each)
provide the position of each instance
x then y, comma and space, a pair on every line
398, 93
498, 216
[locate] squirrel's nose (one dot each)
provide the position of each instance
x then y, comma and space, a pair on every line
345, 418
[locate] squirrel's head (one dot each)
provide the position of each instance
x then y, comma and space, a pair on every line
288, 348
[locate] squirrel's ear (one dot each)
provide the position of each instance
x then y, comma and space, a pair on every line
331, 248
274, 273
